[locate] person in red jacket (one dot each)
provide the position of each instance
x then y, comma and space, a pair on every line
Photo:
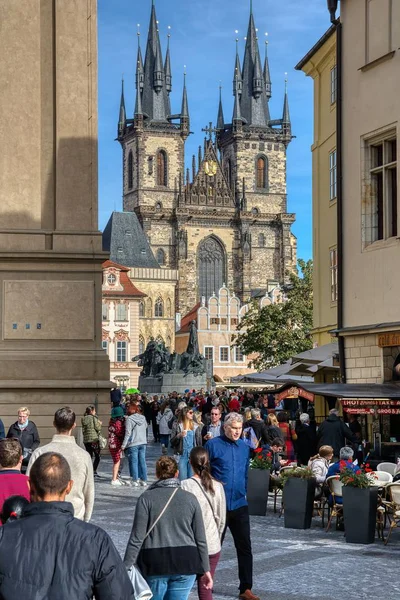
12, 482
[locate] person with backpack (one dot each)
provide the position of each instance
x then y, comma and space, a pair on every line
211, 497
165, 418
255, 432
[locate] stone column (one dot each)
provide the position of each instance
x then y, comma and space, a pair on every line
50, 246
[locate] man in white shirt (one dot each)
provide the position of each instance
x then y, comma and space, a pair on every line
81, 495
214, 429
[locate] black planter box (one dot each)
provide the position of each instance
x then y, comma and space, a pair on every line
257, 491
298, 502
359, 510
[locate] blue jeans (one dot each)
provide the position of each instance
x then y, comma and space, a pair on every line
164, 439
136, 456
185, 470
171, 587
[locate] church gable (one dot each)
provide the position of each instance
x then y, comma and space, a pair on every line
209, 187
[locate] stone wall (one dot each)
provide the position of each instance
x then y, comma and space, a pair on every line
364, 359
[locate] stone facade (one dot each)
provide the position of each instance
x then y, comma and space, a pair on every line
222, 202
50, 247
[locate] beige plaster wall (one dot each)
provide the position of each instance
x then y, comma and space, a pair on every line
370, 102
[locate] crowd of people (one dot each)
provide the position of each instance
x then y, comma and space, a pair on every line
206, 441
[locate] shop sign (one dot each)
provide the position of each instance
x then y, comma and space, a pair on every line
386, 340
294, 392
359, 411
372, 402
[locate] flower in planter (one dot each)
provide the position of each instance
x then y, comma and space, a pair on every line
298, 472
355, 478
262, 459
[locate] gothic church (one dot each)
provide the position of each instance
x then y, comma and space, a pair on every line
224, 220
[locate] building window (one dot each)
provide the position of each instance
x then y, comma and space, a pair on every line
121, 312
104, 311
334, 279
239, 356
162, 174
381, 217
261, 240
141, 345
111, 279
333, 84
223, 321
332, 175
130, 170
121, 351
161, 257
104, 345
224, 354
159, 308
214, 321
211, 265
262, 172
209, 352
141, 309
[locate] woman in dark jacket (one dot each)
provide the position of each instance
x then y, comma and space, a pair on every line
168, 540
26, 432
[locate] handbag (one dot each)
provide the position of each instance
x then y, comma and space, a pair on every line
141, 590
102, 441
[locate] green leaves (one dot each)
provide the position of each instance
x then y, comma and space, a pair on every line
275, 333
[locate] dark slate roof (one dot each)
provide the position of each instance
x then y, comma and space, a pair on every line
126, 241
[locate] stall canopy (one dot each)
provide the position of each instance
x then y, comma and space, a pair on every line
355, 390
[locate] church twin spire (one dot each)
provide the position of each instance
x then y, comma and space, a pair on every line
153, 84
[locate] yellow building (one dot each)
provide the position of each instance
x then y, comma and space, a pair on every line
320, 64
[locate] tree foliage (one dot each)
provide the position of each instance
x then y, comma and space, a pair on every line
279, 331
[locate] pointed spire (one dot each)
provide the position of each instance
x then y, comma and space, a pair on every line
237, 73
286, 113
200, 157
167, 67
139, 64
237, 120
122, 112
220, 118
193, 167
253, 101
267, 75
185, 105
155, 96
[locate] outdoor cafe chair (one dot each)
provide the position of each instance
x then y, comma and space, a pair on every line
386, 467
392, 507
335, 488
382, 477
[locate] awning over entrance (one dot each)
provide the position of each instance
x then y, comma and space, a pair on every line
354, 390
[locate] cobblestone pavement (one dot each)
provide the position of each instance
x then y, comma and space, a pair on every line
288, 564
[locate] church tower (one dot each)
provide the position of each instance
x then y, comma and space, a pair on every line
153, 143
253, 155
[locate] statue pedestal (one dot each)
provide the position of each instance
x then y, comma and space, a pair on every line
178, 382
150, 385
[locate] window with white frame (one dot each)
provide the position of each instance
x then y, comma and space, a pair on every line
332, 175
121, 351
104, 345
104, 311
380, 189
239, 356
333, 263
224, 354
333, 84
209, 352
121, 312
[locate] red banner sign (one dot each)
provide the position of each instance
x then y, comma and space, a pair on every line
372, 411
294, 392
372, 402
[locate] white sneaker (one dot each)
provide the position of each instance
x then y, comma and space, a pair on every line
126, 482
143, 483
135, 483
116, 482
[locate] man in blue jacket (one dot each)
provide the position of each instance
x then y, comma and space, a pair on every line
229, 457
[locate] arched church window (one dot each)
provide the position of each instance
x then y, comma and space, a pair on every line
160, 257
255, 211
130, 170
162, 169
159, 308
142, 346
211, 265
261, 240
262, 172
141, 309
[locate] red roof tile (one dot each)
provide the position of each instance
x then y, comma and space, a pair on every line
128, 288
188, 318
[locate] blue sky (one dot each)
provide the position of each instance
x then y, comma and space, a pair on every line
203, 38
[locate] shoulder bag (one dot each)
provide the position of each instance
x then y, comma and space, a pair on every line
209, 502
141, 590
101, 438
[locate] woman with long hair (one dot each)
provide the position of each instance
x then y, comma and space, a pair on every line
273, 428
91, 429
211, 496
185, 436
168, 541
